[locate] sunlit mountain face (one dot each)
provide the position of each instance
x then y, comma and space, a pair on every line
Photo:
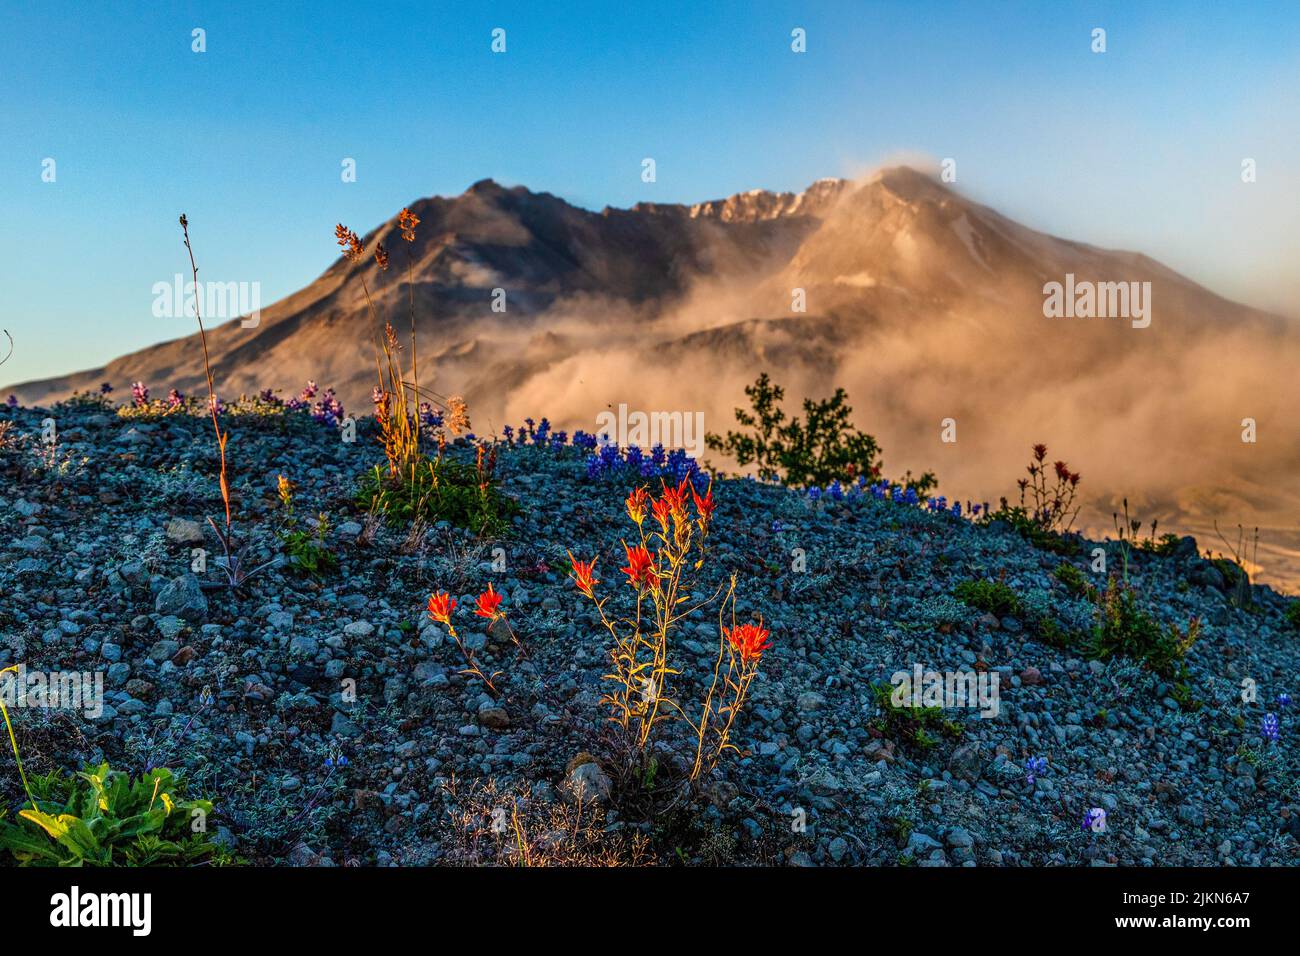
937, 314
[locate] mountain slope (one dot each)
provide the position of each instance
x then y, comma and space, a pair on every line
925, 305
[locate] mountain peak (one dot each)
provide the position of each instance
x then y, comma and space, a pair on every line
487, 186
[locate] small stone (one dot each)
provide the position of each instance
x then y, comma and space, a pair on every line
184, 531
965, 762
960, 837
184, 598
809, 701
838, 848
163, 651
492, 717
586, 781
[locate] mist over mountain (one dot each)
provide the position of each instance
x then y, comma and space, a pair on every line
924, 305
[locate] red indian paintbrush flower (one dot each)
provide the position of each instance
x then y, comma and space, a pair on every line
662, 510
636, 504
749, 640
676, 497
489, 603
440, 607
584, 575
640, 568
704, 504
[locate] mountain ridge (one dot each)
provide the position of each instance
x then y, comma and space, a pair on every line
924, 304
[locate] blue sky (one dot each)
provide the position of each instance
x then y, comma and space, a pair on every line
1139, 147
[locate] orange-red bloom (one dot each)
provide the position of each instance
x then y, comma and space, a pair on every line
489, 603
676, 497
640, 568
636, 504
704, 504
584, 575
749, 640
662, 510
440, 607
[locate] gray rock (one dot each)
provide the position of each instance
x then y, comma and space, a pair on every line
966, 762
493, 717
183, 598
184, 531
587, 782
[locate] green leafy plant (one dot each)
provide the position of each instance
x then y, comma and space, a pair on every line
921, 726
1124, 628
100, 817
1075, 581
991, 596
307, 550
816, 450
1047, 506
441, 489
1292, 614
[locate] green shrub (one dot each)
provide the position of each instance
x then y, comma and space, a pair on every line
307, 550
99, 817
1292, 614
1076, 582
921, 726
439, 489
1124, 628
1032, 531
821, 448
991, 596
1165, 546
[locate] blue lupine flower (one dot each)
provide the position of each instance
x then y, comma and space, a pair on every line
1270, 728
1284, 699
835, 491
814, 493
1033, 767
1094, 821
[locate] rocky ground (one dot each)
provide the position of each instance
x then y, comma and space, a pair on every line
250, 691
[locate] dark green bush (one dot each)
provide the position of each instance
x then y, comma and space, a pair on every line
1292, 614
1124, 628
439, 489
1076, 582
921, 726
813, 452
1032, 531
991, 596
